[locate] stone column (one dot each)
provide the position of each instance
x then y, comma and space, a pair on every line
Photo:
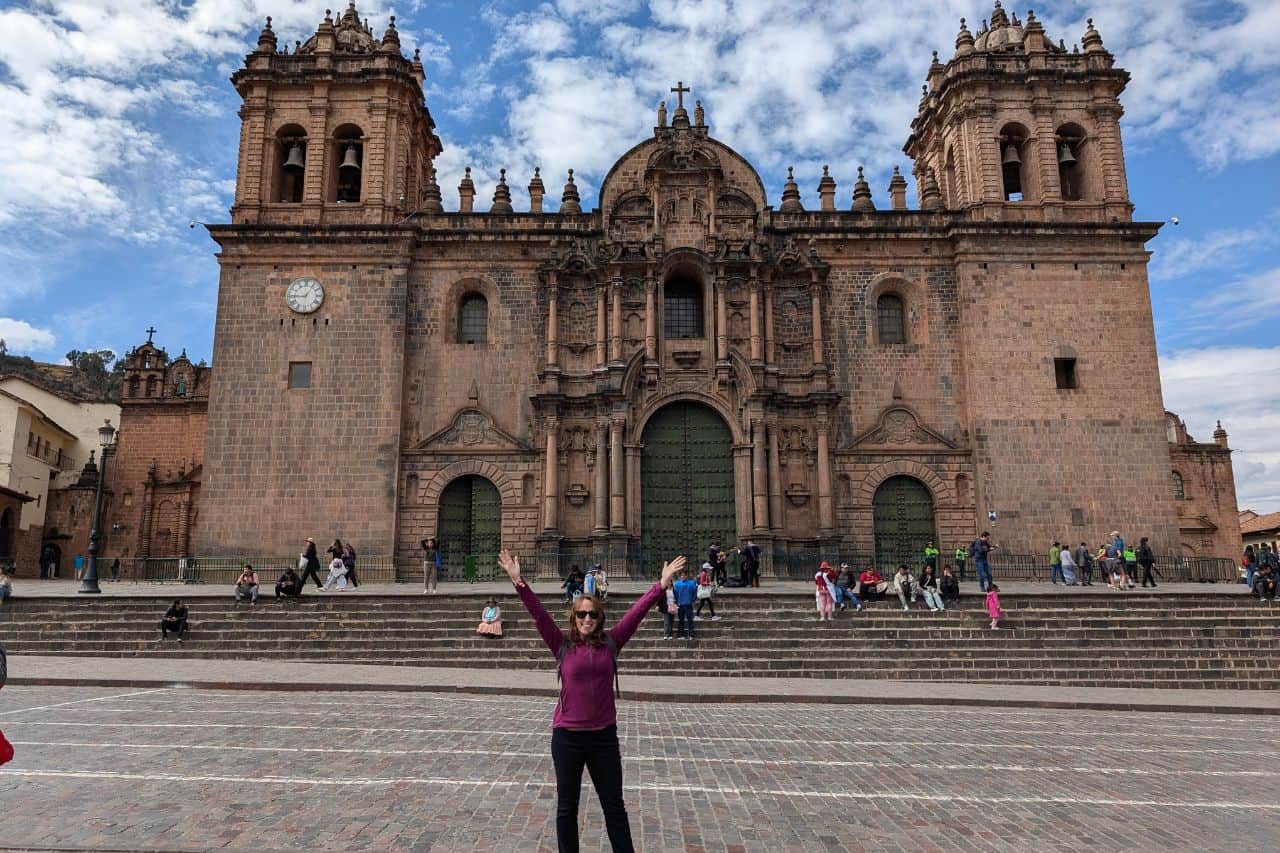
551, 480
815, 292
757, 345
553, 322
826, 509
617, 478
601, 354
768, 326
742, 484
1046, 153
600, 523
651, 320
633, 488
759, 477
722, 322
184, 528
148, 514
615, 321
775, 480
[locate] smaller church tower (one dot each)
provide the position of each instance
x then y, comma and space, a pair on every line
335, 131
1014, 119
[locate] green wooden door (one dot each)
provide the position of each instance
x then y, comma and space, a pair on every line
903, 523
686, 484
470, 525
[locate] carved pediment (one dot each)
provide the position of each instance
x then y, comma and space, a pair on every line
899, 427
472, 431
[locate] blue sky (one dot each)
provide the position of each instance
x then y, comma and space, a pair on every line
123, 128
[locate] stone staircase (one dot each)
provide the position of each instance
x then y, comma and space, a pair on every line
1134, 640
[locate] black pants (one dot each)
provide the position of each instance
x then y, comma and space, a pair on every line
1146, 576
1086, 573
179, 627
351, 574
313, 572
292, 590
708, 603
599, 752
960, 569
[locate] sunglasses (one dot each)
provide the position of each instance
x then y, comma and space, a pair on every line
584, 614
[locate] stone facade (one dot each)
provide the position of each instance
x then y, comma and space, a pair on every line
154, 471
1204, 490
841, 348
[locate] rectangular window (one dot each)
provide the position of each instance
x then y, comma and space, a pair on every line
299, 374
1065, 371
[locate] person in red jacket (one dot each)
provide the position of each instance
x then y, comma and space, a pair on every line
584, 729
870, 581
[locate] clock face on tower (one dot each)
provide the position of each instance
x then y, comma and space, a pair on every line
304, 295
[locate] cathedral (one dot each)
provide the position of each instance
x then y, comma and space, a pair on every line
691, 361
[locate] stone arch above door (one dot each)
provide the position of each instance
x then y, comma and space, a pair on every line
507, 488
942, 493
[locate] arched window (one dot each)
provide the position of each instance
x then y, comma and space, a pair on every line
1013, 156
949, 175
473, 319
348, 164
152, 385
681, 308
891, 319
1070, 155
134, 385
290, 164
1179, 490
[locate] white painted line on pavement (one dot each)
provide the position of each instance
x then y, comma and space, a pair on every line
674, 789
90, 699
766, 762
1038, 747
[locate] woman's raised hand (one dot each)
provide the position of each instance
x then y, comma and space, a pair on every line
670, 570
510, 565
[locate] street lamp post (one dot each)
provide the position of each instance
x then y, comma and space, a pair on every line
90, 583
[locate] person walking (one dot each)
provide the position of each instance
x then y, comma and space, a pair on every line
174, 619
993, 606
686, 592
929, 589
751, 564
431, 564
825, 594
349, 560
310, 563
115, 570
1147, 559
980, 549
1055, 562
1110, 559
337, 575
1084, 560
1068, 564
490, 620
78, 564
1130, 567
247, 584
706, 593
584, 733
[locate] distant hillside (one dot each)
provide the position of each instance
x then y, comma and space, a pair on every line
90, 376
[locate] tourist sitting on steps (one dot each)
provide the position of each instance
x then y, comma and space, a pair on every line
929, 589
948, 585
289, 585
845, 585
1264, 583
572, 585
247, 584
6, 586
337, 574
175, 620
490, 620
905, 585
871, 584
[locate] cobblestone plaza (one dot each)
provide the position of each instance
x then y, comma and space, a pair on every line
171, 769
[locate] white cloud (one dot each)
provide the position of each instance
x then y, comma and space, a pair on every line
1241, 387
20, 337
1240, 304
1218, 249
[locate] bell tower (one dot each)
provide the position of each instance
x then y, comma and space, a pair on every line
334, 131
1014, 126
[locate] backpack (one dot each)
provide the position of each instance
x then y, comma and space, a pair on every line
609, 643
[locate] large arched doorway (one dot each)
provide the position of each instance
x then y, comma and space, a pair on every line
903, 522
470, 528
686, 484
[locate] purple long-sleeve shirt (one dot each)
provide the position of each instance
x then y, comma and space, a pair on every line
586, 672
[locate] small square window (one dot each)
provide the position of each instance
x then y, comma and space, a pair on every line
1065, 371
299, 374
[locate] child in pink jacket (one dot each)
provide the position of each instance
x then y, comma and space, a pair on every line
993, 605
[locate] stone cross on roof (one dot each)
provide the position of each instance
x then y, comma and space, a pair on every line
150, 332
679, 90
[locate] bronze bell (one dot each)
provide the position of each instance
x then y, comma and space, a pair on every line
295, 160
1011, 157
349, 160
1065, 157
